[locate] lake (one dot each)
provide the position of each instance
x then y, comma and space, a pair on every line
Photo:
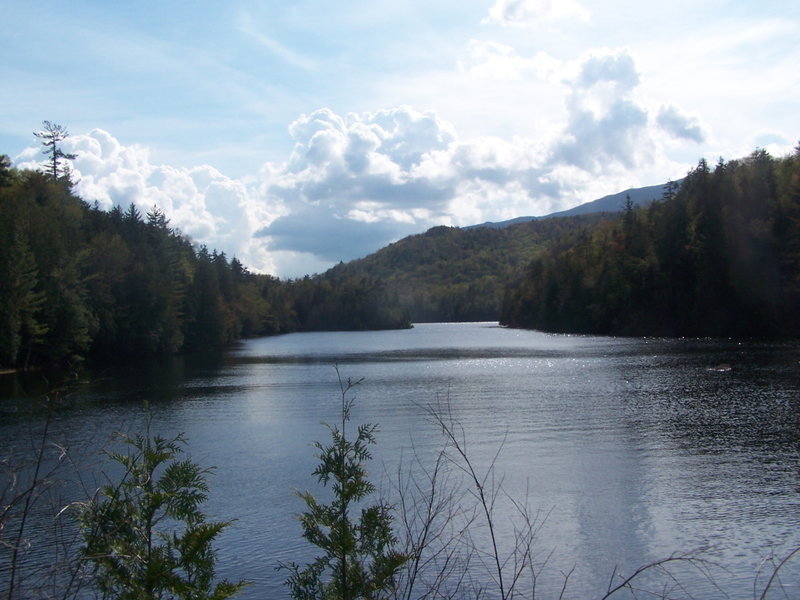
626, 450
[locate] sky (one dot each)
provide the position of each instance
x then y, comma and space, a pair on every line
294, 135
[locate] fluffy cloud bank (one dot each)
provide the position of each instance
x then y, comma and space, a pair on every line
354, 183
357, 182
201, 202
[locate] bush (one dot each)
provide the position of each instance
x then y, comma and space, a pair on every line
145, 536
359, 558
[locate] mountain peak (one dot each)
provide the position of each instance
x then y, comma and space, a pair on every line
610, 203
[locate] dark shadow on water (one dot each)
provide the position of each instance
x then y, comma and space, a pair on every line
152, 379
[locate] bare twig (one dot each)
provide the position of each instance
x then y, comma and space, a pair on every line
662, 565
775, 572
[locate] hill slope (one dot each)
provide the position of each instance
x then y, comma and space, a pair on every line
461, 274
452, 274
719, 258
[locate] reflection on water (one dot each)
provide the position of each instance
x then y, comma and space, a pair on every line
632, 448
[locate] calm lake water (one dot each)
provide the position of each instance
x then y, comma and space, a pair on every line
629, 450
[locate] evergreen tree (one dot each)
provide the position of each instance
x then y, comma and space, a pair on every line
21, 327
145, 536
6, 172
359, 559
52, 135
716, 257
205, 323
68, 319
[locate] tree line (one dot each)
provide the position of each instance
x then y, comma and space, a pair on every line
449, 274
718, 255
77, 281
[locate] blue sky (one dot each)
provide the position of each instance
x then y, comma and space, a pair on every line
297, 134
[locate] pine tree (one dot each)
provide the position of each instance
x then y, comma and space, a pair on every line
52, 135
20, 312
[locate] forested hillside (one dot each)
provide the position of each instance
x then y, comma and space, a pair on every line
719, 256
76, 281
452, 274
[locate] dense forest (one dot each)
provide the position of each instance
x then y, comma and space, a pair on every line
77, 281
717, 256
452, 274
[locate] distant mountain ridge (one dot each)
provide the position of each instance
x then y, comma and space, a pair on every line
610, 203
461, 273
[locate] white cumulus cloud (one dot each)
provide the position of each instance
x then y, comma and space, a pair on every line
353, 183
201, 202
357, 182
607, 127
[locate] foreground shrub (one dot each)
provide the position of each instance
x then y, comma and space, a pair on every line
145, 536
359, 557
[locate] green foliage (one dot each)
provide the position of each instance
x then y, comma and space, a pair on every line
452, 274
20, 318
344, 303
6, 171
145, 536
45, 314
359, 558
716, 257
76, 281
